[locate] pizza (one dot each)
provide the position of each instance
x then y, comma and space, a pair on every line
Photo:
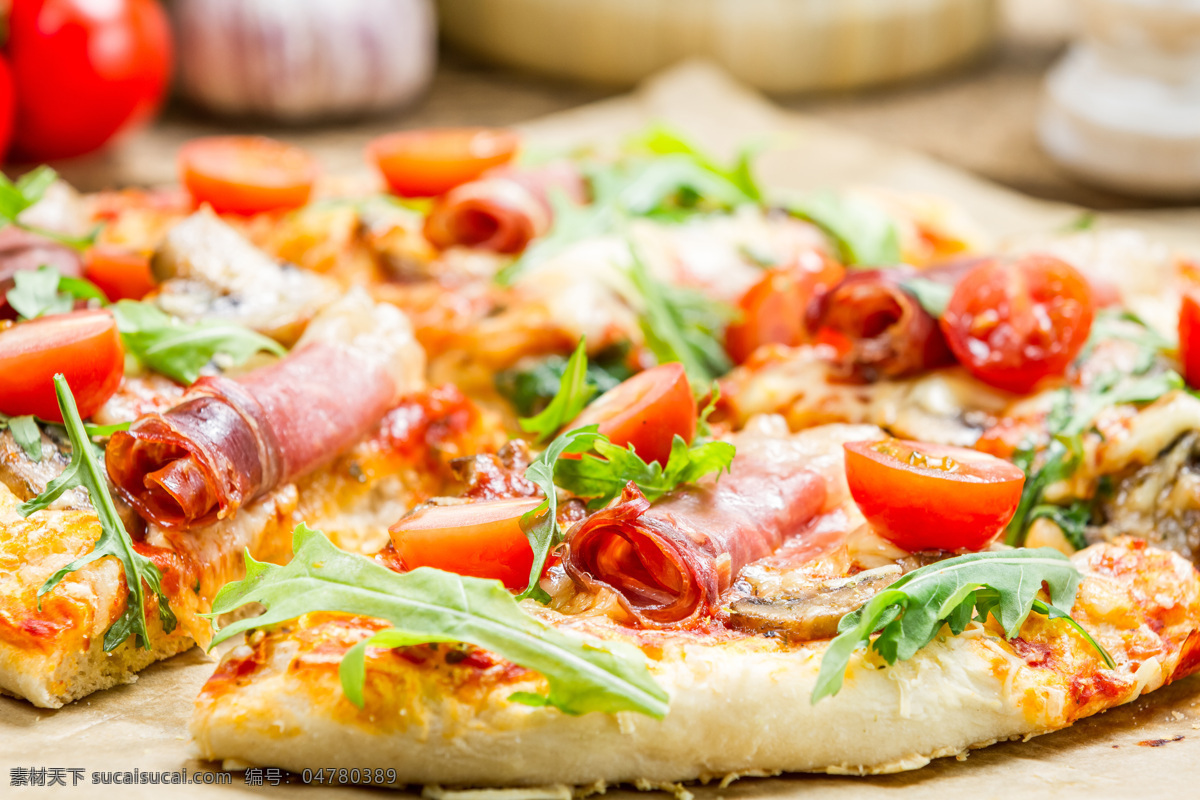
615, 467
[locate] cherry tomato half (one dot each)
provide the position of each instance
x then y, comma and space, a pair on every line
83, 345
1189, 336
774, 310
83, 71
246, 174
1012, 324
932, 497
428, 163
7, 107
646, 411
482, 540
121, 273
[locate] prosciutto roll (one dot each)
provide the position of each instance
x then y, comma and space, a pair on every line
884, 332
504, 210
230, 441
669, 561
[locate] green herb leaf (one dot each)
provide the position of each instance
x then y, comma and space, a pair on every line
427, 606
42, 292
908, 614
27, 435
603, 478
541, 524
932, 295
1071, 519
682, 324
530, 389
572, 396
661, 140
140, 572
703, 428
863, 232
28, 190
180, 350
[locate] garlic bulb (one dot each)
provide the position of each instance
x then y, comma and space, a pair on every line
301, 60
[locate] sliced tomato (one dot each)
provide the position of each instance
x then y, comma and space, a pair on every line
482, 540
932, 497
646, 411
774, 310
1011, 324
431, 162
1189, 337
83, 345
121, 273
246, 174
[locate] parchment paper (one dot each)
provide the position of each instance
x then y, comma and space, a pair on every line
1150, 748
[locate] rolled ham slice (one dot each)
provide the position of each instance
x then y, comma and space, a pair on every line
504, 210
230, 441
670, 561
879, 328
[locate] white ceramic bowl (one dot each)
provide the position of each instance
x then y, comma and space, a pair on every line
775, 45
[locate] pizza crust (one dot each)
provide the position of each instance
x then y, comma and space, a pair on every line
739, 704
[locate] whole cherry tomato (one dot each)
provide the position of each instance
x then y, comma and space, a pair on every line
932, 497
431, 162
83, 345
1013, 323
83, 71
646, 411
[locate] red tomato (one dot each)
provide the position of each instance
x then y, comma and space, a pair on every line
122, 274
1012, 324
774, 310
1189, 337
932, 497
428, 163
246, 174
646, 411
84, 71
482, 540
83, 345
7, 106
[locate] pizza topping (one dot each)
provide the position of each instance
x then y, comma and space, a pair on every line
923, 496
645, 413
83, 345
1189, 336
670, 560
429, 605
120, 272
865, 235
879, 329
909, 613
431, 162
84, 471
1013, 324
230, 441
504, 210
246, 174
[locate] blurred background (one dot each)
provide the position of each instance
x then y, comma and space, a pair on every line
962, 80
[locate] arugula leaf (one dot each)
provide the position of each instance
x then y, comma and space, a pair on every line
41, 292
932, 295
863, 232
180, 350
1122, 324
572, 396
682, 324
27, 435
541, 524
530, 389
908, 614
603, 478
27, 191
140, 572
703, 428
429, 606
1071, 519
659, 139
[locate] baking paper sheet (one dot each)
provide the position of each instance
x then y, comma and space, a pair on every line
1150, 748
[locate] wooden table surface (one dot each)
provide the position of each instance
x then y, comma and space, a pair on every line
980, 118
